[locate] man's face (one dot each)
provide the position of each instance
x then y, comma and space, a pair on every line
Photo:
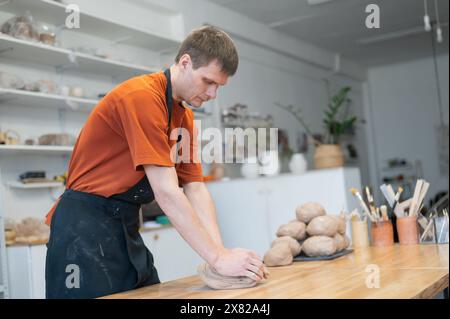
201, 85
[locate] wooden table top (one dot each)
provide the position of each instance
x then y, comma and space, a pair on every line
404, 272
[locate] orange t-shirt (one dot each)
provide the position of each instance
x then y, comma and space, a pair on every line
127, 129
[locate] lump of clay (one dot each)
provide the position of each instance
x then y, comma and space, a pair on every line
323, 226
318, 246
342, 227
306, 212
214, 280
295, 229
341, 242
279, 255
347, 241
294, 245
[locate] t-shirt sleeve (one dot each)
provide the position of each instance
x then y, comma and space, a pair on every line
144, 119
190, 171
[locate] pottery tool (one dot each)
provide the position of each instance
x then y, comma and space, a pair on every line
395, 207
427, 229
363, 205
422, 220
416, 196
391, 190
388, 193
356, 216
405, 204
419, 196
392, 199
443, 225
423, 193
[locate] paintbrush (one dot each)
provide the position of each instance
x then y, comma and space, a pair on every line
363, 205
371, 202
384, 213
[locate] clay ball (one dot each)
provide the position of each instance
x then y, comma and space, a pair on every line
306, 212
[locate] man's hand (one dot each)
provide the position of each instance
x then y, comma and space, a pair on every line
241, 262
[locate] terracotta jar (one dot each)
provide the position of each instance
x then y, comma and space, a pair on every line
382, 234
408, 232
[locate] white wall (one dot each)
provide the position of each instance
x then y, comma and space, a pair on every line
405, 112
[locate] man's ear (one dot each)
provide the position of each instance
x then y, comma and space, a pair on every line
185, 61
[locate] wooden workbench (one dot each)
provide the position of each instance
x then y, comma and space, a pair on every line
405, 272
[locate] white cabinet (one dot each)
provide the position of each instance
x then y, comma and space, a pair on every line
173, 257
242, 213
251, 210
4, 291
26, 271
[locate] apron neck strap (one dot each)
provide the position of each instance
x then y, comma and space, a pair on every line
169, 97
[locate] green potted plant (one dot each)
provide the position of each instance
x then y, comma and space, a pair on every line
337, 121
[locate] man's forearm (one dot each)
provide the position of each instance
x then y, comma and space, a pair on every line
203, 205
182, 216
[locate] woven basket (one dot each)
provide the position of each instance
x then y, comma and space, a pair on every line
328, 156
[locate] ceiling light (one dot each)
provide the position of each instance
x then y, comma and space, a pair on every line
439, 37
426, 18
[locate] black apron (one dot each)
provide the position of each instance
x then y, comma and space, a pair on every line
95, 248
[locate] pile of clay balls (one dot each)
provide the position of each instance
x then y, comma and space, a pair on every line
313, 233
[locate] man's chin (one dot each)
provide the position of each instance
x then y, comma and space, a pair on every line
195, 104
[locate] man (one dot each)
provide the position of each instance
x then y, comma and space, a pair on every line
122, 160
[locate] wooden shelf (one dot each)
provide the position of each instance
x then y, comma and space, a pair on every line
55, 13
20, 185
36, 150
58, 57
27, 98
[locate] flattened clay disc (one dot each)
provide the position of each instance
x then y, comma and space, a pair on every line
214, 280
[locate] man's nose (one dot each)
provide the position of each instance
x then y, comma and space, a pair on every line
212, 92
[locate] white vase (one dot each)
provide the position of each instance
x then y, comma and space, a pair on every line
298, 164
250, 169
270, 163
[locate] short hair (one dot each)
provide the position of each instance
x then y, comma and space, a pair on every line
207, 44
